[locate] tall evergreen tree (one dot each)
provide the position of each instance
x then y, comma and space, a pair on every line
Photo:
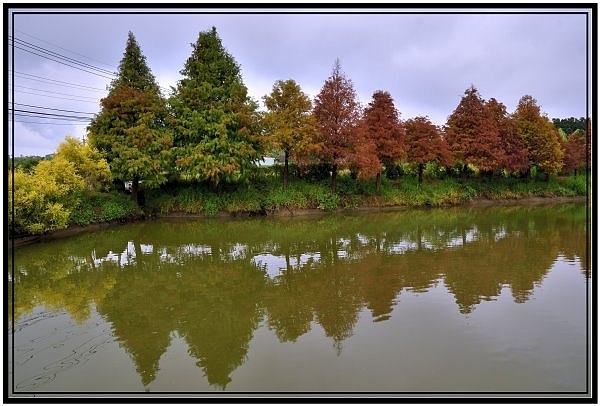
131, 129
337, 111
215, 132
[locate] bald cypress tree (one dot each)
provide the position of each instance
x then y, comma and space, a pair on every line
215, 131
131, 129
540, 136
337, 112
381, 125
472, 134
288, 123
425, 144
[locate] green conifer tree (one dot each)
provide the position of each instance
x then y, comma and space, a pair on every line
215, 132
131, 129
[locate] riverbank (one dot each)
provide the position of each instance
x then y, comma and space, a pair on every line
74, 230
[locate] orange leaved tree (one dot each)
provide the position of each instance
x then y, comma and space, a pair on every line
337, 112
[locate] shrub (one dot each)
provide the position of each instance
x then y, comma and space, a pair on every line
212, 206
577, 184
327, 201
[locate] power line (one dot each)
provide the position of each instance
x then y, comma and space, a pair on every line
53, 92
46, 115
58, 97
64, 49
41, 78
73, 123
59, 61
60, 56
49, 108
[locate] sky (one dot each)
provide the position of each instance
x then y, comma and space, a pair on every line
425, 58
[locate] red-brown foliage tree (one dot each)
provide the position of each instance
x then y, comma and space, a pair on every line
425, 144
381, 126
472, 135
337, 112
515, 151
575, 150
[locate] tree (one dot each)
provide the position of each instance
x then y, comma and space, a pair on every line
289, 124
539, 135
131, 129
472, 135
45, 196
515, 152
570, 125
425, 144
575, 149
87, 161
337, 112
381, 126
215, 120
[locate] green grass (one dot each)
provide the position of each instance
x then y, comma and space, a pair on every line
266, 194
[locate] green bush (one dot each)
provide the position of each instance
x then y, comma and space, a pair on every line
577, 184
328, 201
84, 212
212, 205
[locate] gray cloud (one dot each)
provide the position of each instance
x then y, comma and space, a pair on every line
425, 60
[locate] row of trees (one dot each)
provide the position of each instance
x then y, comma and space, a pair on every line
209, 129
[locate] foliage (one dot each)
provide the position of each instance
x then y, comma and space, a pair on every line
425, 144
26, 163
380, 138
41, 198
87, 162
337, 112
575, 152
515, 151
539, 135
472, 134
131, 130
288, 123
216, 123
578, 184
570, 125
51, 195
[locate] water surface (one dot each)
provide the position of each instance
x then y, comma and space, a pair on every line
483, 300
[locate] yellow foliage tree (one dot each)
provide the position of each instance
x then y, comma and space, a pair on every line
42, 201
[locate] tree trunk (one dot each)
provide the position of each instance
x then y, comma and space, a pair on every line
135, 185
333, 177
378, 181
285, 170
421, 173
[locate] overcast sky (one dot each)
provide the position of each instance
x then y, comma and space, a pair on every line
425, 60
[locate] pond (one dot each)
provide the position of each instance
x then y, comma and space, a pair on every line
483, 300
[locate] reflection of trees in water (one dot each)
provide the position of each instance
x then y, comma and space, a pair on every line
218, 313
141, 309
202, 279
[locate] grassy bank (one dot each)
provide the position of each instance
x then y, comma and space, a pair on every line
268, 195
265, 195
